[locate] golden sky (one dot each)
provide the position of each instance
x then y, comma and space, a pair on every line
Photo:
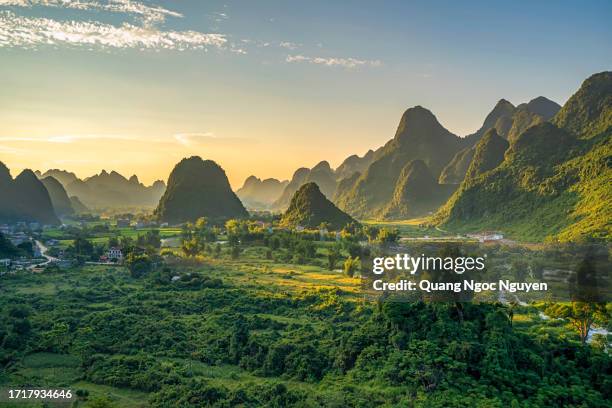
263, 89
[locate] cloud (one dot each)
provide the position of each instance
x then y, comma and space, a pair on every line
27, 32
289, 45
149, 15
188, 138
194, 138
219, 16
332, 61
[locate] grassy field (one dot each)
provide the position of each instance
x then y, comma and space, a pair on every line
412, 228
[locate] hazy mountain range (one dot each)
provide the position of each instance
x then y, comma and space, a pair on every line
375, 185
108, 190
536, 170
260, 194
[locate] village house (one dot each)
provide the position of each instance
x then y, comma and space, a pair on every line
115, 253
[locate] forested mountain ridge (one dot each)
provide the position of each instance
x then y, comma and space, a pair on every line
416, 194
555, 180
419, 136
509, 122
310, 208
198, 188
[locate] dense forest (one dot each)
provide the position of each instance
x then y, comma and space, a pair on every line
269, 320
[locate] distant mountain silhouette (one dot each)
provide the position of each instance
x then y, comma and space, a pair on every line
25, 198
353, 164
198, 188
298, 179
63, 176
324, 177
260, 194
419, 136
59, 198
108, 190
309, 208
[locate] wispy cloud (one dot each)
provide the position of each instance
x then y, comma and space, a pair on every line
189, 138
141, 29
27, 32
333, 61
289, 45
194, 138
147, 14
219, 16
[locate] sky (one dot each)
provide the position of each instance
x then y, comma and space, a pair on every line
265, 87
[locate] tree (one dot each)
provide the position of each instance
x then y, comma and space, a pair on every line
351, 265
388, 236
581, 315
190, 246
58, 337
113, 242
138, 265
201, 223
7, 249
83, 247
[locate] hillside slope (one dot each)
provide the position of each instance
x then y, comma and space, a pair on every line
418, 136
309, 208
555, 181
198, 188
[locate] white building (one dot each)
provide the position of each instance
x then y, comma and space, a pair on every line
115, 253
